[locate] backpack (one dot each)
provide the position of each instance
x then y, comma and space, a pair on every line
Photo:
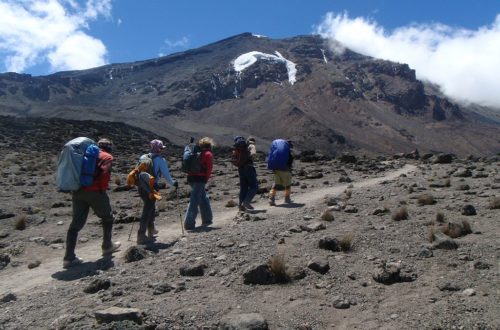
240, 155
76, 166
145, 164
278, 155
191, 159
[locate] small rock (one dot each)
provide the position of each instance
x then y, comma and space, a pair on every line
468, 210
193, 270
447, 286
231, 203
258, 274
116, 314
34, 264
245, 321
481, 265
319, 265
425, 253
341, 304
135, 253
4, 260
162, 288
469, 292
97, 285
226, 243
7, 297
441, 241
329, 243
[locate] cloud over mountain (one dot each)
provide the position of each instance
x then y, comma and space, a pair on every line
54, 31
464, 63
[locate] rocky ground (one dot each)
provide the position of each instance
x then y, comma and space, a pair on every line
367, 244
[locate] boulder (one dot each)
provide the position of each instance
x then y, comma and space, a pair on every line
116, 314
243, 321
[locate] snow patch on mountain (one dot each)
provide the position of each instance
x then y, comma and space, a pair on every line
245, 60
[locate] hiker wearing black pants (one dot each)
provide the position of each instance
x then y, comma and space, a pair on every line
242, 158
95, 197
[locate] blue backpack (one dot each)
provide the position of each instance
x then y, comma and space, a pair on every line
278, 155
77, 164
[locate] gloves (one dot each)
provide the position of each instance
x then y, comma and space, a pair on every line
176, 184
155, 196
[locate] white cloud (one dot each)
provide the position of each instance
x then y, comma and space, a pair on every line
171, 44
36, 31
465, 63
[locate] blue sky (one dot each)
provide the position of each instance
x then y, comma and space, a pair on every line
44, 36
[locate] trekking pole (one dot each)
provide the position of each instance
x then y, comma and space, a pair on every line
133, 222
179, 207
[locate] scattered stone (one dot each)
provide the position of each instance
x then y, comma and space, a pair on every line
4, 260
226, 243
135, 253
425, 253
319, 265
380, 211
345, 179
297, 273
193, 270
341, 303
462, 173
392, 272
116, 314
231, 203
442, 159
7, 297
444, 242
468, 210
245, 321
258, 274
97, 285
447, 286
34, 264
481, 265
469, 292
315, 226
162, 288
351, 209
329, 243
295, 229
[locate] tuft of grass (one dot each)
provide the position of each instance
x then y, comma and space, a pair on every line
426, 199
327, 215
400, 214
455, 230
118, 180
440, 217
494, 203
430, 233
20, 223
348, 194
345, 242
277, 265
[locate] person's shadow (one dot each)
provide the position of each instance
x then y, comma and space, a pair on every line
84, 269
155, 247
291, 205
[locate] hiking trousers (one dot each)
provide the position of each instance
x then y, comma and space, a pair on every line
148, 213
199, 199
82, 202
248, 183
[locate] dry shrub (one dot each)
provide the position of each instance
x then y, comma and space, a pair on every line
327, 216
455, 230
118, 180
430, 233
20, 223
400, 214
426, 199
278, 267
348, 193
345, 242
440, 217
494, 203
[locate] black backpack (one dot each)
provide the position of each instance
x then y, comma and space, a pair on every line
191, 159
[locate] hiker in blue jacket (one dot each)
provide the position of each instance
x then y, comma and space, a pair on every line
160, 169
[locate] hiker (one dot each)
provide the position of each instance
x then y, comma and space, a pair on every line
93, 196
280, 161
159, 169
251, 146
242, 158
199, 198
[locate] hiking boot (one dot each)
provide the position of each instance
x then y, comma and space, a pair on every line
152, 231
115, 246
288, 200
242, 208
248, 206
142, 239
272, 202
72, 263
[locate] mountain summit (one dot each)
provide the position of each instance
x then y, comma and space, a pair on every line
297, 88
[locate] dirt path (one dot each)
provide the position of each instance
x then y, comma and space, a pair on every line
18, 280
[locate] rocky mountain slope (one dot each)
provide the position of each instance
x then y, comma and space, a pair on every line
295, 88
367, 244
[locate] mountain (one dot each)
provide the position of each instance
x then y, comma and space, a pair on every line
296, 88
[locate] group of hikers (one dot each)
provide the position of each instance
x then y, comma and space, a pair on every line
146, 176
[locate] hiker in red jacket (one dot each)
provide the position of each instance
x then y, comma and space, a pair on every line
95, 197
199, 198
